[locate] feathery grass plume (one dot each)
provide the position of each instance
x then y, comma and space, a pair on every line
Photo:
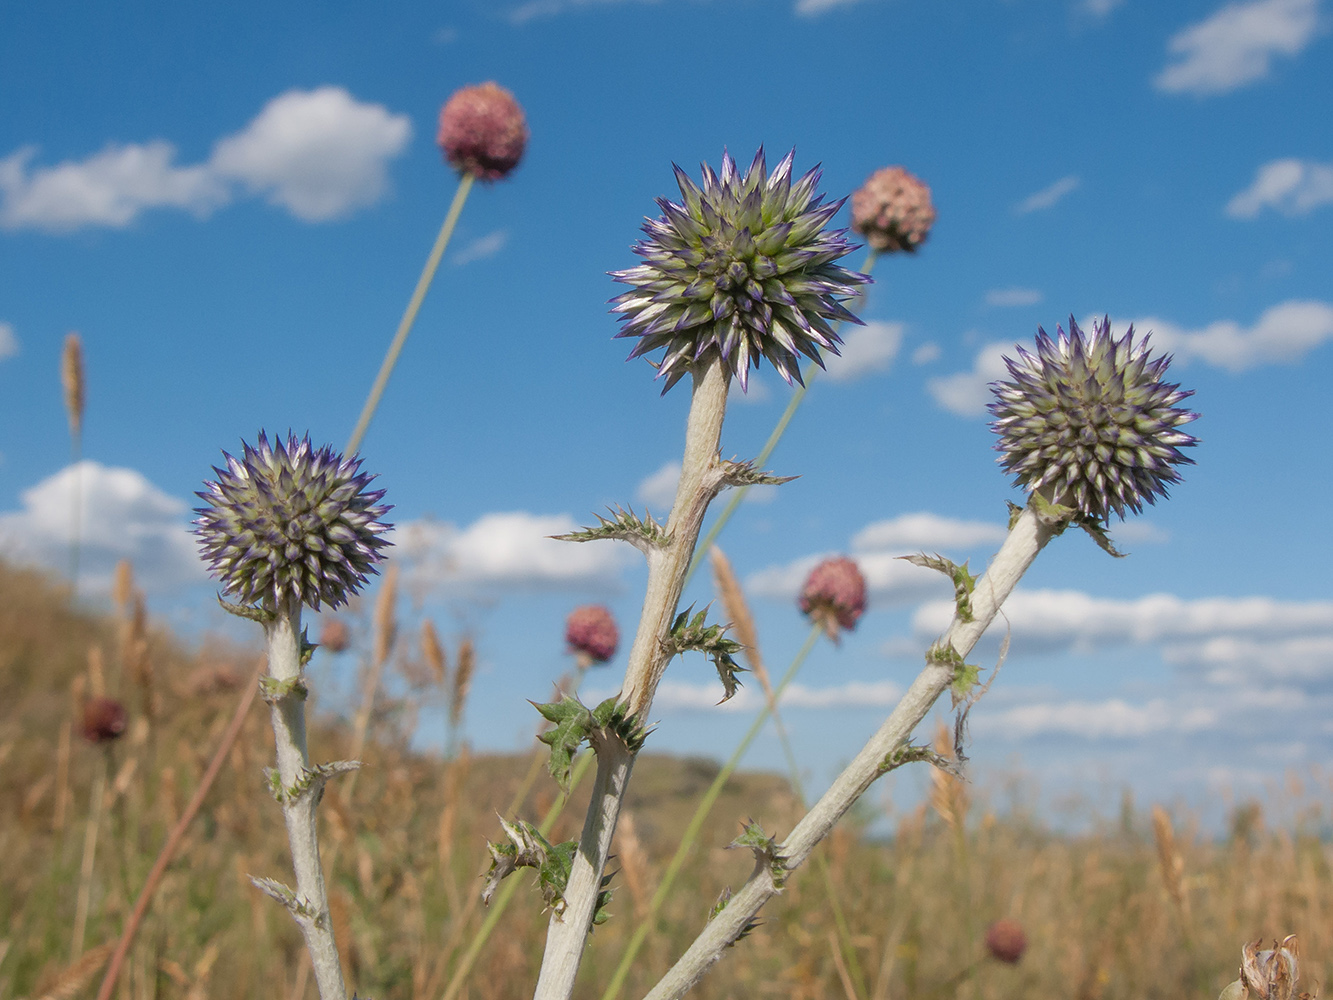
466, 662
633, 864
948, 793
834, 596
1171, 863
122, 587
386, 621
71, 980
1088, 421
737, 609
432, 651
892, 210
72, 382
741, 268
591, 633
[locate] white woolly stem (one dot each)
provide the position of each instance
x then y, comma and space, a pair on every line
700, 480
1027, 538
288, 717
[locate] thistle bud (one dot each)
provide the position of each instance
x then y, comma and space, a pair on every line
892, 210
104, 720
1006, 941
834, 595
742, 268
289, 522
592, 631
483, 131
1089, 421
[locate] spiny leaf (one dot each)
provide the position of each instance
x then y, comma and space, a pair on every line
611, 716
1015, 512
963, 581
307, 648
911, 753
692, 633
249, 611
572, 722
745, 474
964, 680
1097, 532
273, 690
527, 848
643, 533
765, 850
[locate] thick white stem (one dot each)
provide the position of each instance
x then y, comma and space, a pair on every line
1027, 538
700, 480
288, 716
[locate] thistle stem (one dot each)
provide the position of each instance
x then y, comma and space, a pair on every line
700, 481
701, 812
1026, 539
738, 495
287, 711
410, 314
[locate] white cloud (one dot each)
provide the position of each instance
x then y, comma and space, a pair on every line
813, 8
320, 153
1232, 659
1110, 719
1292, 187
1236, 45
966, 393
658, 491
681, 696
925, 531
1048, 196
110, 188
1011, 297
1284, 334
124, 517
509, 550
482, 247
9, 341
867, 349
1100, 8
926, 353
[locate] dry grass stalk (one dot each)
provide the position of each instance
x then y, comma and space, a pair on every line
742, 621
1170, 861
71, 380
63, 748
433, 653
96, 672
122, 587
72, 979
844, 976
633, 864
467, 662
948, 794
386, 621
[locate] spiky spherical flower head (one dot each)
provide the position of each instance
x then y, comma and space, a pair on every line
483, 131
289, 521
591, 630
741, 267
1089, 421
834, 595
892, 210
103, 720
1006, 941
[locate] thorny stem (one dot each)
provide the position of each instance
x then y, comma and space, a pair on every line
288, 717
700, 480
410, 314
1026, 538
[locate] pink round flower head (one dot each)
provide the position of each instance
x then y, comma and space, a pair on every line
1006, 941
834, 595
103, 720
893, 210
335, 636
592, 631
483, 131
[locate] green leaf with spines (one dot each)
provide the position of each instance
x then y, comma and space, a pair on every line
307, 648
1097, 532
251, 612
1053, 515
572, 723
965, 674
765, 850
310, 781
912, 753
723, 898
745, 474
273, 690
527, 848
643, 533
299, 908
1015, 512
693, 634
611, 718
964, 681
963, 581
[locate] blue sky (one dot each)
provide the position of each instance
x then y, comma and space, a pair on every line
232, 209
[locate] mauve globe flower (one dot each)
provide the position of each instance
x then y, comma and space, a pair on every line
742, 268
892, 210
335, 636
104, 720
291, 522
483, 131
1089, 421
592, 631
834, 595
1006, 941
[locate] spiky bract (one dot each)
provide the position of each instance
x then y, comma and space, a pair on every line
742, 267
291, 521
1089, 422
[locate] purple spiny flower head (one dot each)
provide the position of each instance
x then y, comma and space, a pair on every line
290, 521
741, 267
591, 630
1089, 421
834, 595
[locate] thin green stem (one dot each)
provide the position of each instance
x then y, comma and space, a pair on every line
410, 315
738, 494
701, 812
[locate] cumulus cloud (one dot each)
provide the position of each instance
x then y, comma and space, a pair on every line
1236, 45
508, 550
124, 517
867, 349
1292, 187
482, 247
1284, 334
658, 491
1011, 297
320, 154
925, 531
679, 696
1113, 718
1238, 659
9, 341
966, 393
1048, 196
926, 353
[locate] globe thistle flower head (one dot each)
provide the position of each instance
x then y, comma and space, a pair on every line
483, 131
591, 631
1089, 421
103, 720
892, 210
288, 521
741, 267
1006, 941
834, 595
